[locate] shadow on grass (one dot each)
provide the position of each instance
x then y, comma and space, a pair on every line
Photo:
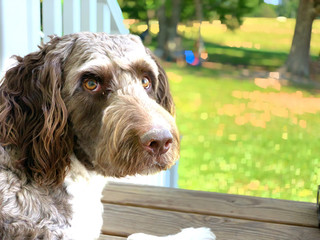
249, 58
232, 62
243, 57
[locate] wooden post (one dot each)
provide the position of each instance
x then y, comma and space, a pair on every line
21, 38
71, 16
110, 19
89, 15
104, 17
52, 18
117, 25
33, 24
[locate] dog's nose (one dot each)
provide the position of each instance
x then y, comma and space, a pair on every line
157, 141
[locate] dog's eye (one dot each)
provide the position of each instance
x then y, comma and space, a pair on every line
91, 85
146, 82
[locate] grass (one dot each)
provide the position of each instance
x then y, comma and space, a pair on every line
239, 136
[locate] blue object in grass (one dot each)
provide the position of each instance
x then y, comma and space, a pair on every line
189, 56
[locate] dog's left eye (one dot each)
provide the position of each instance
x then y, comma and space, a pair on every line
91, 85
146, 82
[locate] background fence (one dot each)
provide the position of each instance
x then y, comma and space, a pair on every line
24, 24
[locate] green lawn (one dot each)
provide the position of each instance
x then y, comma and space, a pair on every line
236, 136
242, 139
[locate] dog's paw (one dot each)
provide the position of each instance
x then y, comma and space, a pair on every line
142, 236
185, 234
196, 234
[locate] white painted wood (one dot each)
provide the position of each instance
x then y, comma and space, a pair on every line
159, 179
117, 25
104, 15
167, 178
89, 15
71, 16
115, 20
33, 24
17, 36
52, 18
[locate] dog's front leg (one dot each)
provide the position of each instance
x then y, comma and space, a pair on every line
185, 234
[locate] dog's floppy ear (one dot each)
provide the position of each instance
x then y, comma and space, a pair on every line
163, 94
33, 116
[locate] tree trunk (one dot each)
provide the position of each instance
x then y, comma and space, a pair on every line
298, 62
162, 35
168, 29
174, 20
199, 16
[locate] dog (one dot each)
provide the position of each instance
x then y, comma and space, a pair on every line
84, 107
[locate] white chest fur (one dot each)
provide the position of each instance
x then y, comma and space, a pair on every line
85, 187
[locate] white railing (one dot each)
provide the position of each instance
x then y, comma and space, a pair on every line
21, 33
20, 22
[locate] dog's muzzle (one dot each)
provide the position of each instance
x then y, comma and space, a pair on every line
138, 136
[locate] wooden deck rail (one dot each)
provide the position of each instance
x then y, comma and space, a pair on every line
162, 211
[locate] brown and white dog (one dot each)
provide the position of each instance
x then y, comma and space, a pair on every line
84, 107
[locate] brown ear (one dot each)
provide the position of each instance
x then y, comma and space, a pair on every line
163, 94
33, 116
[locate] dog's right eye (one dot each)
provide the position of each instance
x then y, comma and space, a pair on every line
146, 82
91, 85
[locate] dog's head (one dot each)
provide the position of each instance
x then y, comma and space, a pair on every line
102, 97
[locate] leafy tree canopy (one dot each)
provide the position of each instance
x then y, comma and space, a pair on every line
288, 8
265, 10
229, 12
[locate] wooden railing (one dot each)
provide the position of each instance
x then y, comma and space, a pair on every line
161, 211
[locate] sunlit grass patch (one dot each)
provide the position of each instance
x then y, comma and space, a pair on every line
243, 139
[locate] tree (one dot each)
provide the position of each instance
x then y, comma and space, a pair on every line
230, 12
298, 62
143, 10
265, 11
168, 17
288, 8
171, 12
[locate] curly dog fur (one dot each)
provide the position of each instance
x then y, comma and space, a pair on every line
83, 107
